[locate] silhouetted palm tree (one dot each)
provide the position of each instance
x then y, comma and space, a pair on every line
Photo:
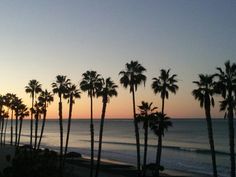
44, 99
163, 84
226, 86
204, 94
91, 83
132, 76
38, 110
7, 102
60, 88
146, 111
107, 91
13, 97
72, 93
32, 88
17, 102
23, 112
1, 117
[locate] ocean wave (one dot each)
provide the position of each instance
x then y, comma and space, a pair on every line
187, 149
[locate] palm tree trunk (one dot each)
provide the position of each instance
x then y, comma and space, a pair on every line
5, 131
61, 136
210, 136
145, 148
68, 128
158, 155
31, 123
231, 139
43, 125
20, 128
16, 128
136, 134
159, 147
100, 137
11, 141
92, 137
36, 129
2, 128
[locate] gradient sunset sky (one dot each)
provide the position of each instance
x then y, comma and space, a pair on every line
41, 39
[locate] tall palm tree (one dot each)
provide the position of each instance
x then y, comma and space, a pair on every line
32, 88
107, 91
146, 112
23, 112
226, 86
163, 84
44, 99
132, 76
72, 93
204, 94
13, 98
1, 116
60, 88
91, 83
7, 102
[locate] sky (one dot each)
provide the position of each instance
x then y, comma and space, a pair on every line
42, 39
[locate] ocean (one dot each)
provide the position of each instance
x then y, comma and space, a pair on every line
185, 145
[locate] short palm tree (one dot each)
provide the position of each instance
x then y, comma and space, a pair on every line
91, 83
107, 91
132, 76
17, 102
45, 98
60, 88
163, 84
204, 94
72, 94
145, 115
32, 88
38, 110
226, 86
23, 112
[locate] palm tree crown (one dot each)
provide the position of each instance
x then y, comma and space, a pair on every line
132, 75
108, 90
91, 83
165, 83
60, 86
205, 91
33, 87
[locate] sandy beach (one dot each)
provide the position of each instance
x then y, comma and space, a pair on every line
79, 167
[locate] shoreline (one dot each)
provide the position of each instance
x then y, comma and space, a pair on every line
108, 166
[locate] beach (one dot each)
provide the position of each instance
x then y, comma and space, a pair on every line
79, 167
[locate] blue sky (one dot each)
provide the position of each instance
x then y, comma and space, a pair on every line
40, 39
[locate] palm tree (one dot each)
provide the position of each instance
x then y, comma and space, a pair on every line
107, 91
60, 88
226, 86
23, 112
204, 94
37, 114
13, 98
163, 84
132, 76
159, 123
1, 117
71, 94
32, 88
91, 83
44, 99
146, 112
17, 102
7, 102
